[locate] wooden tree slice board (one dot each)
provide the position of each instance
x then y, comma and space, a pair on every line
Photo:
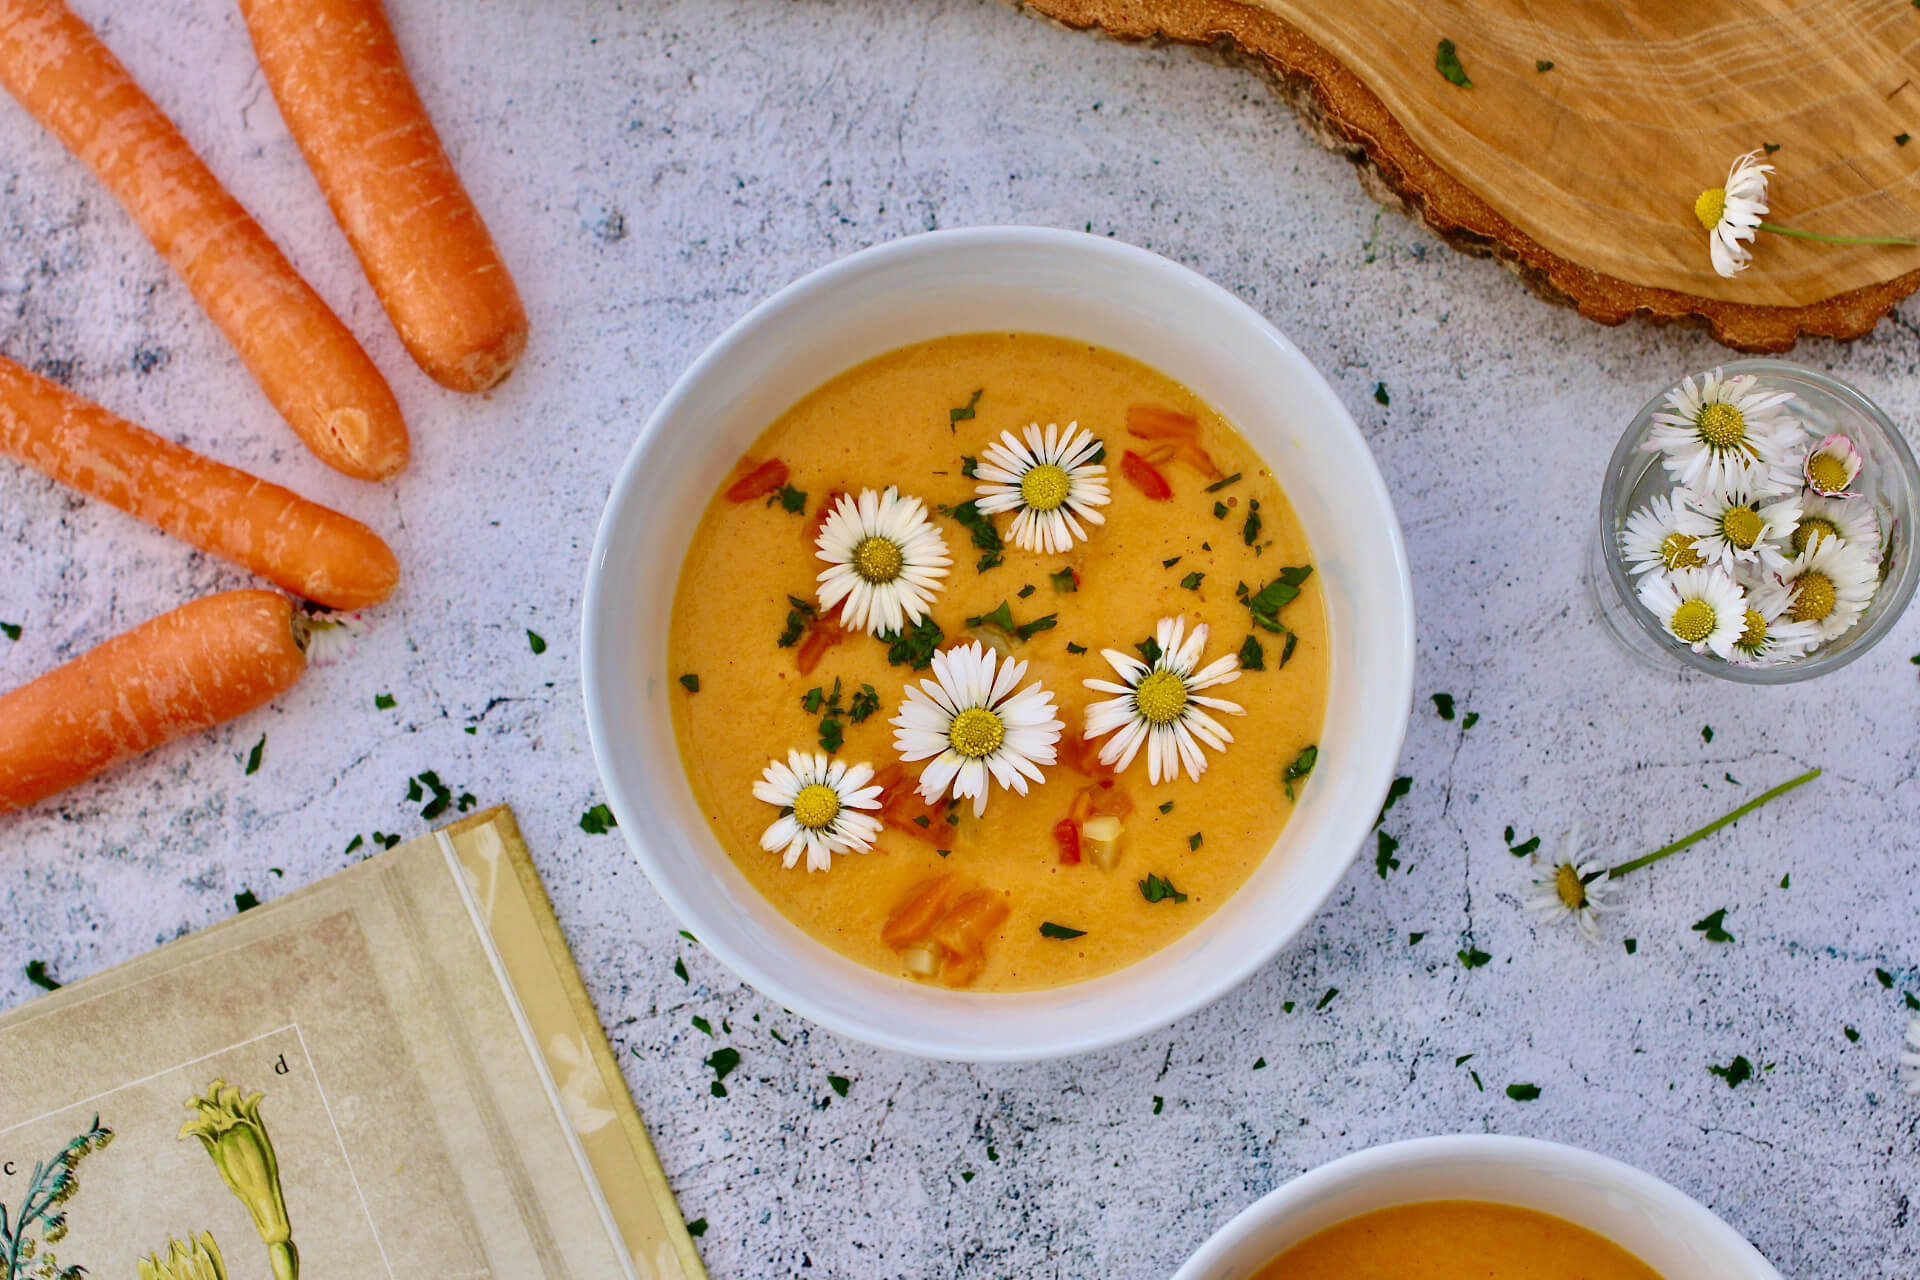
1582, 178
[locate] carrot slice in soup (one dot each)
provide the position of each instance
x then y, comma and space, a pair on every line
1142, 475
757, 480
914, 917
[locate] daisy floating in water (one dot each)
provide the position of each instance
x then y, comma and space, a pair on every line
1652, 539
1769, 636
1734, 529
1723, 431
1704, 609
1049, 480
974, 727
1161, 704
1567, 888
1733, 213
1830, 585
1831, 466
1820, 518
887, 560
818, 798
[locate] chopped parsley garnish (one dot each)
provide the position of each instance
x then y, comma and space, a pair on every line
985, 536
1401, 786
1446, 60
245, 900
832, 736
723, 1061
1218, 485
1886, 979
1250, 530
1220, 510
969, 465
12, 631
1523, 1092
1193, 580
1025, 591
1734, 1072
1193, 841
863, 704
1853, 1037
827, 706
1302, 766
1028, 630
1159, 1104
924, 821
697, 1228
1902, 139
680, 970
1048, 929
1380, 393
1252, 656
1546, 64
791, 500
1002, 617
383, 702
1159, 889
441, 800
690, 682
253, 756
839, 1084
1383, 859
1706, 733
1075, 648
1632, 945
1266, 603
1524, 848
354, 843
37, 974
1327, 999
1463, 1060
598, 820
965, 411
701, 1025
1169, 563
1260, 1064
1473, 958
1149, 650
1065, 580
1413, 939
1714, 926
1443, 705
916, 647
797, 618
536, 642
1469, 720
1166, 807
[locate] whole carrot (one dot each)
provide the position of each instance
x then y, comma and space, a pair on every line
336, 71
314, 552
198, 666
306, 361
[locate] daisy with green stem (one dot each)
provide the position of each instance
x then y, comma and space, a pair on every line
1565, 888
1723, 430
1733, 213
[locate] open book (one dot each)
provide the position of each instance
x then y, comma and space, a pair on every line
392, 1073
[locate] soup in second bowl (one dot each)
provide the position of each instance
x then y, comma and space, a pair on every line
1456, 1240
882, 634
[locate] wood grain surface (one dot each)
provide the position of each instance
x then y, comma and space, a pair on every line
1582, 177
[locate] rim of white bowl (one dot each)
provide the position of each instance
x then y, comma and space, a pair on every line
1673, 1205
1312, 890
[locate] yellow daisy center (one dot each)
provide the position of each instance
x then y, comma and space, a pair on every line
1676, 552
1160, 698
1813, 597
877, 559
1044, 487
1566, 883
1741, 526
1754, 634
1721, 425
816, 805
976, 732
1827, 472
1693, 621
1710, 207
1810, 530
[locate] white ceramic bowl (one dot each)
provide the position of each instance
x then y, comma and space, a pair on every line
1665, 1228
927, 286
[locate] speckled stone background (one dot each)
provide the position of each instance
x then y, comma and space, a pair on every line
653, 169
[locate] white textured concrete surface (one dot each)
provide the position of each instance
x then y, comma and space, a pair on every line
651, 170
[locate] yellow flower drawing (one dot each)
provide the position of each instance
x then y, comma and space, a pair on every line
230, 1127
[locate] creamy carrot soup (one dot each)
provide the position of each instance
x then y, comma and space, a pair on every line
1456, 1240
947, 818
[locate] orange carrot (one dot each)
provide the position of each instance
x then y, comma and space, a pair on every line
342, 86
184, 671
309, 550
305, 360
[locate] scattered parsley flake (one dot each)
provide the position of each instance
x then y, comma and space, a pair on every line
1383, 859
1001, 617
1252, 656
723, 1061
1443, 705
1149, 650
924, 821
967, 1176
245, 900
1327, 999
680, 970
37, 974
598, 820
1193, 841
1075, 648
1902, 139
985, 537
536, 642
1028, 630
1523, 1092
12, 631
965, 411
1286, 1006
1220, 513
1476, 1080
1413, 939
1266, 603
1048, 929
969, 465
1524, 848
1302, 766
1463, 1060
1632, 945
1218, 485
441, 799
1158, 889
1401, 786
697, 1228
791, 500
1159, 1104
1474, 958
863, 704
1168, 564
1543, 65
797, 618
1380, 393
1734, 1072
1260, 1064
1712, 926
1065, 580
1853, 1037
383, 702
915, 648
1786, 880
832, 735
1446, 60
1886, 979
1772, 147
1469, 720
253, 756
1706, 733
839, 1084
690, 682
1167, 807
701, 1025
1250, 529
1913, 1002
1193, 580
1025, 591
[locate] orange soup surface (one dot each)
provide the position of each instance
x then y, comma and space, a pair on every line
1023, 897
1456, 1240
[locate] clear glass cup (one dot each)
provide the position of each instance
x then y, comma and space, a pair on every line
1890, 480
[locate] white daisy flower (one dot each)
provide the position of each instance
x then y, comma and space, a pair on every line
1910, 1057
1048, 481
330, 638
1820, 517
1569, 888
1769, 636
1731, 214
969, 719
1831, 466
817, 796
1652, 540
1829, 584
1161, 704
1724, 430
1702, 608
887, 557
1732, 526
